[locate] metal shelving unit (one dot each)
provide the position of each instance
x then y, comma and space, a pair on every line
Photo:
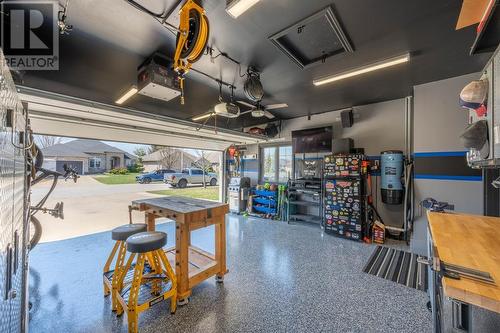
304, 198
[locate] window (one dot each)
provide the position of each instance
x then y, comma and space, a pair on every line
285, 164
276, 164
269, 167
95, 162
197, 172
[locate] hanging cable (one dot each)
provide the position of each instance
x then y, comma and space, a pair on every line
160, 18
210, 51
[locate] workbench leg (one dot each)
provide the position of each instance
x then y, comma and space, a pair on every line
220, 249
150, 221
182, 262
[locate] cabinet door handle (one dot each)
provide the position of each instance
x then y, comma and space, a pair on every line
16, 252
8, 273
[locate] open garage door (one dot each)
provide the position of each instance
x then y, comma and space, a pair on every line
60, 115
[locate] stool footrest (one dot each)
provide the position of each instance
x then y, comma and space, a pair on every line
145, 292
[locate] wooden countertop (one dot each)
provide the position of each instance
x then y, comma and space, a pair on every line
470, 241
183, 205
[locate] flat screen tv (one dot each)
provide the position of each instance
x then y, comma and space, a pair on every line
313, 140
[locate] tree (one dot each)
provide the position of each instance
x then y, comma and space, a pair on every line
140, 152
44, 141
153, 148
169, 157
203, 164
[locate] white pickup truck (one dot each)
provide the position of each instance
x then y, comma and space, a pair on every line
190, 176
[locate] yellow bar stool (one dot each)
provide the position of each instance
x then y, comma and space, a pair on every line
150, 286
111, 281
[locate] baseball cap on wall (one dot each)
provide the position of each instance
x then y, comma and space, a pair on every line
473, 96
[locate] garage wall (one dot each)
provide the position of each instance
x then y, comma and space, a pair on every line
250, 166
380, 126
440, 166
377, 127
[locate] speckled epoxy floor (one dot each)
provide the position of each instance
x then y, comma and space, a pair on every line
283, 278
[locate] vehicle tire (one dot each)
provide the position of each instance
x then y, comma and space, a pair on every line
213, 182
182, 183
147, 180
35, 232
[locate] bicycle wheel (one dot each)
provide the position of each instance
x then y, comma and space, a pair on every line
35, 232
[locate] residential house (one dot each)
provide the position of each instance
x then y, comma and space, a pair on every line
212, 159
86, 156
168, 158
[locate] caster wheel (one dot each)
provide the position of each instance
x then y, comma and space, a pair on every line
183, 301
219, 279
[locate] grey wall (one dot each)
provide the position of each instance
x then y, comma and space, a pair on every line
380, 126
438, 122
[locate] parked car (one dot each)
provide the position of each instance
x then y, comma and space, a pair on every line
155, 176
190, 176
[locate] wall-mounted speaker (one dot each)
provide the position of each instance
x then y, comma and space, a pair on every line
346, 118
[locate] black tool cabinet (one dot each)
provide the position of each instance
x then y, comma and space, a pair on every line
344, 196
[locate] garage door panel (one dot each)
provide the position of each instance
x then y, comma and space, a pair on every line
77, 165
54, 114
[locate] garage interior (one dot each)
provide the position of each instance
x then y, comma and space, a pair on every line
359, 170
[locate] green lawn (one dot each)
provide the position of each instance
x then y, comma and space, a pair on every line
211, 192
110, 179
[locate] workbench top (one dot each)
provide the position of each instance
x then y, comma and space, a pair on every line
183, 205
470, 241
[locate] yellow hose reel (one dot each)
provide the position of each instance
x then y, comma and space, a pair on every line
192, 39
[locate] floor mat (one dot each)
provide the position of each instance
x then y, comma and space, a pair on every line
398, 266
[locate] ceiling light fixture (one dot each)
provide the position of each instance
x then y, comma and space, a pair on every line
237, 7
131, 92
202, 116
362, 70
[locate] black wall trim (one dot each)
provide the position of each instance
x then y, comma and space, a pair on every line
444, 166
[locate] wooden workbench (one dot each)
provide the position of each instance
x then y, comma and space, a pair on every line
470, 241
192, 264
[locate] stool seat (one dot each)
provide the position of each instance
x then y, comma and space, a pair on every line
146, 241
123, 232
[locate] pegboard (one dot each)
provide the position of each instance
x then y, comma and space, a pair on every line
12, 205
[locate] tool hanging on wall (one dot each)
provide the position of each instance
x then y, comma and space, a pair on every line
64, 27
192, 39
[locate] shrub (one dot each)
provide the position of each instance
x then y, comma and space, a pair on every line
135, 168
118, 171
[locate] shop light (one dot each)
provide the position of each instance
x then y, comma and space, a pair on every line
362, 70
131, 92
203, 116
237, 7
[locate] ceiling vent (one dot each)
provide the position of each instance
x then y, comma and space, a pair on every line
313, 39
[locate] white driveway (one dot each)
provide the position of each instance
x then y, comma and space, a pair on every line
89, 206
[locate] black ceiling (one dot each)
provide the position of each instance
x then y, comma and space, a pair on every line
98, 60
